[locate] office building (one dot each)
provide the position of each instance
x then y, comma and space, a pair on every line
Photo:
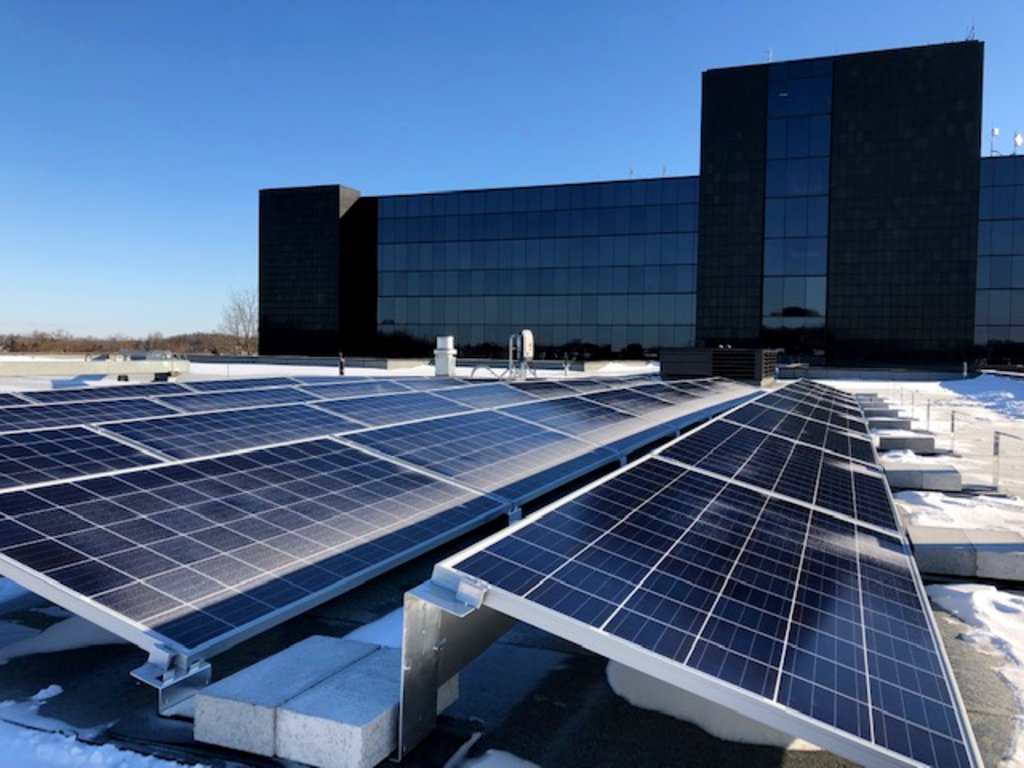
836, 214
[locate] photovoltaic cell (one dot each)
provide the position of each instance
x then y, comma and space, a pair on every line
577, 416
120, 392
219, 401
629, 401
487, 395
383, 410
197, 551
205, 434
799, 471
27, 458
354, 388
6, 398
543, 389
235, 385
17, 418
419, 384
488, 451
805, 430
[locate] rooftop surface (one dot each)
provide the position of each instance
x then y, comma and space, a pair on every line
555, 709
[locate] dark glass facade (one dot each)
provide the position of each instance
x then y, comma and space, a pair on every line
903, 210
999, 329
866, 219
796, 199
837, 212
610, 266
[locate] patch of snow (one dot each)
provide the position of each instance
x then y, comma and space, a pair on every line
49, 692
74, 632
27, 748
1002, 394
997, 621
385, 631
993, 513
642, 690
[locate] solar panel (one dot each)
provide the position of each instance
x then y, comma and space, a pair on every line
628, 400
382, 410
844, 419
488, 451
205, 434
805, 430
7, 398
487, 395
355, 388
194, 554
119, 392
796, 608
419, 383
235, 385
17, 418
543, 389
218, 401
587, 385
578, 417
27, 458
798, 471
720, 566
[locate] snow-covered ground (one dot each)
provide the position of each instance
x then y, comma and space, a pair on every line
996, 618
989, 512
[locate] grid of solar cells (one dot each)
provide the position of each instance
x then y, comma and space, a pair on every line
629, 400
7, 398
543, 388
205, 434
576, 416
245, 398
488, 451
105, 393
197, 550
487, 395
804, 430
587, 385
804, 610
383, 410
235, 385
664, 392
355, 388
820, 399
18, 418
848, 421
792, 469
420, 384
27, 458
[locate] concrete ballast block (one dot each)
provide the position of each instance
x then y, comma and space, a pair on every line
240, 711
349, 720
918, 443
904, 477
889, 422
942, 551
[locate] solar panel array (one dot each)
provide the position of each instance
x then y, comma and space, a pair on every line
762, 571
192, 515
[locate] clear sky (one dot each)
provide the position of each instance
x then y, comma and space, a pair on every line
134, 136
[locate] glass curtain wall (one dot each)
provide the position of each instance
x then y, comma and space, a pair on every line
999, 306
604, 267
796, 203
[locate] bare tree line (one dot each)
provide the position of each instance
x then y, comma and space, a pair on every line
237, 334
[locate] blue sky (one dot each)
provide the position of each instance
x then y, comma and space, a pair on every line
134, 136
